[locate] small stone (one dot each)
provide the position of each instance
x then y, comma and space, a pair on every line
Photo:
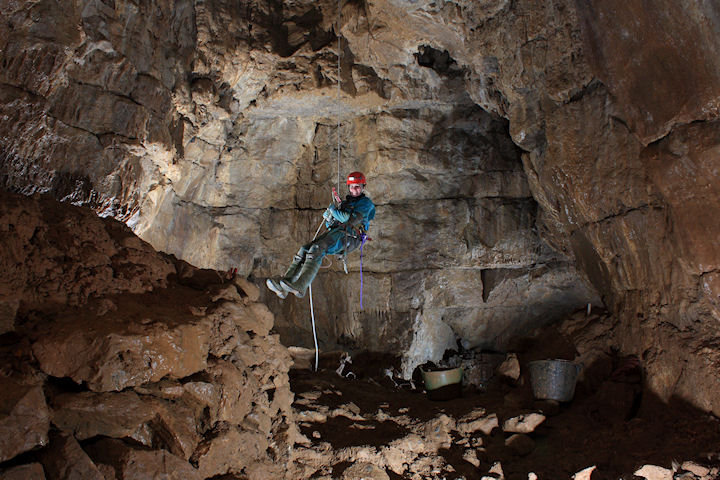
696, 469
653, 472
311, 416
497, 469
470, 456
316, 434
523, 423
351, 407
484, 424
365, 471
509, 368
584, 474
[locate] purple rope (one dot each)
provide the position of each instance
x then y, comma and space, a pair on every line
364, 238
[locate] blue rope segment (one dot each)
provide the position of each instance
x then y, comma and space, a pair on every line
364, 239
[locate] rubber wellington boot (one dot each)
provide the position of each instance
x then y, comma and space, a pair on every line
292, 272
307, 275
275, 285
294, 269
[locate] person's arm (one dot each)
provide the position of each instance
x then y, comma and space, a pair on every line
364, 212
339, 215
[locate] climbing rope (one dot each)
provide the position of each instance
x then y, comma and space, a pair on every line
312, 310
364, 239
337, 102
337, 114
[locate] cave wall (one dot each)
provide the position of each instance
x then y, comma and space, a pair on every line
210, 128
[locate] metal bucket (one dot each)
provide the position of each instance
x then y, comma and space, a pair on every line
554, 379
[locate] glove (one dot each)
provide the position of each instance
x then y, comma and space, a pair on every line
337, 214
327, 215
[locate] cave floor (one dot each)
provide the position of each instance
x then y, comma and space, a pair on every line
396, 432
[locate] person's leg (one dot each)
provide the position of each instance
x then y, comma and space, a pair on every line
311, 265
308, 271
275, 284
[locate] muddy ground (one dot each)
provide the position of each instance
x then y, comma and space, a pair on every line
613, 424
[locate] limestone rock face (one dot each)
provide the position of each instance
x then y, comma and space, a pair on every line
143, 371
513, 150
220, 146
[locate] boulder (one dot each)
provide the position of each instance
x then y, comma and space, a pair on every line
148, 420
118, 415
64, 459
114, 354
131, 463
31, 471
24, 418
229, 451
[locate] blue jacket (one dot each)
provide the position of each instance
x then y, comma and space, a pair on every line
354, 210
353, 213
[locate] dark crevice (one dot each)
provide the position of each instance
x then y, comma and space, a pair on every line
441, 62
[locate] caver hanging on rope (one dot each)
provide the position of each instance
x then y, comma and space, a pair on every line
347, 224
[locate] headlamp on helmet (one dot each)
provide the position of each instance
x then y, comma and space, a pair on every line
356, 178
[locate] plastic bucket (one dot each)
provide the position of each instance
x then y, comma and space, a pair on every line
554, 379
443, 384
435, 379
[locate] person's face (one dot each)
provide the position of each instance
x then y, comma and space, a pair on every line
355, 189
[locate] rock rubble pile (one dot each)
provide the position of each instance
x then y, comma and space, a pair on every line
119, 362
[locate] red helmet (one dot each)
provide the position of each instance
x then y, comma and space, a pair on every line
356, 178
